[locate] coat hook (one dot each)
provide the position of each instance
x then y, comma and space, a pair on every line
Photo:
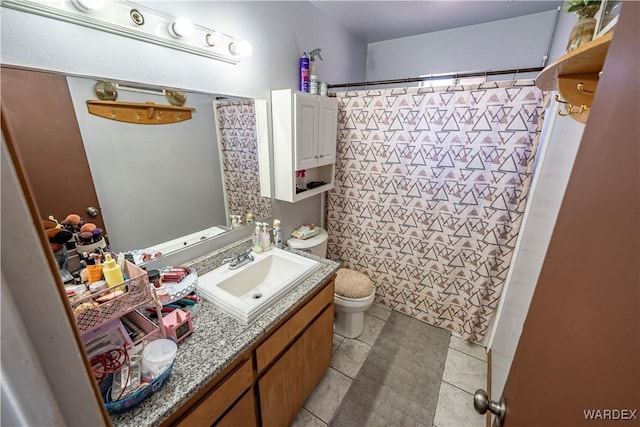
584, 91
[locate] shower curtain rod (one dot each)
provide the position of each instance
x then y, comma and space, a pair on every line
515, 72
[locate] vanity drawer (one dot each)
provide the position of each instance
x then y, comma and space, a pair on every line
211, 407
286, 333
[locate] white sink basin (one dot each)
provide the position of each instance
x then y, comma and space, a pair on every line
245, 293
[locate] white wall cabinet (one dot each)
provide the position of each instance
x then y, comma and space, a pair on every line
304, 138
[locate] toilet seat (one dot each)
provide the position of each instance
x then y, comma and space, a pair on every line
353, 285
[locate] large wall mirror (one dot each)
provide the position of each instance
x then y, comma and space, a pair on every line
154, 183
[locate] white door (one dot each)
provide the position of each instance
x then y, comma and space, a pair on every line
306, 131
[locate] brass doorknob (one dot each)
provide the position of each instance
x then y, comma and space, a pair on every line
482, 403
92, 212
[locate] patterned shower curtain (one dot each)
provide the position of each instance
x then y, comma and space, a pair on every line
431, 186
239, 147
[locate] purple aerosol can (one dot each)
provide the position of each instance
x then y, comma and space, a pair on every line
304, 72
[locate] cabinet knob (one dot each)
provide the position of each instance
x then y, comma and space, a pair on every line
321, 156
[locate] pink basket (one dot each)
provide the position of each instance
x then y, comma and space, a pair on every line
89, 315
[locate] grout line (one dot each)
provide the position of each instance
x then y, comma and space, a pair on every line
470, 355
314, 415
336, 369
453, 385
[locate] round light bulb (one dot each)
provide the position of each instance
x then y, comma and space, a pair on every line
242, 48
213, 39
88, 5
181, 27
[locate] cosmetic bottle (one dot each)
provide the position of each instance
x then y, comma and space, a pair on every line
277, 233
111, 271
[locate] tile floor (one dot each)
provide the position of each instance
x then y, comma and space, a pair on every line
465, 371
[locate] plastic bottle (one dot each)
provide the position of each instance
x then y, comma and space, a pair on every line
304, 72
111, 271
313, 84
266, 238
301, 180
255, 239
313, 75
277, 233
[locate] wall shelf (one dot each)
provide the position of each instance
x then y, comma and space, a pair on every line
575, 75
147, 113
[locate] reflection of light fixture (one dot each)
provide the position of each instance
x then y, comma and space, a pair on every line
243, 48
181, 27
88, 5
138, 22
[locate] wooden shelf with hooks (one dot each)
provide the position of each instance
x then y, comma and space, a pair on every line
575, 75
147, 113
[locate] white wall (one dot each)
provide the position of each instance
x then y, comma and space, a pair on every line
510, 43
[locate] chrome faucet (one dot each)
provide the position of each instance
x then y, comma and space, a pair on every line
240, 260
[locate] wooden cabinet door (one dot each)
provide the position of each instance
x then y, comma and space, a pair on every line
243, 413
327, 130
288, 383
306, 131
39, 122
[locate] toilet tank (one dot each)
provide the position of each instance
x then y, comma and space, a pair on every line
317, 245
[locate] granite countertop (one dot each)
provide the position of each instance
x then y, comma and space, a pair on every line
218, 339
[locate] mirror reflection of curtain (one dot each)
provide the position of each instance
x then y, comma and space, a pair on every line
431, 186
239, 147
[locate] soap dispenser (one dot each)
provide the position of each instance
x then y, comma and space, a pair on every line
256, 239
111, 271
266, 237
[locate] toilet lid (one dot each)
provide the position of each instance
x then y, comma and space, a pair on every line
309, 243
351, 284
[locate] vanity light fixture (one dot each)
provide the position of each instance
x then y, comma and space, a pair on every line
88, 5
127, 19
181, 27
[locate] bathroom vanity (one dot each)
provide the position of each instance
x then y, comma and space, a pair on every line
229, 373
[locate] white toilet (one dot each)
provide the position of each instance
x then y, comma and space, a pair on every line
354, 292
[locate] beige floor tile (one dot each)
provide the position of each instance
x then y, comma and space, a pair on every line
474, 350
328, 394
464, 371
350, 356
455, 409
307, 419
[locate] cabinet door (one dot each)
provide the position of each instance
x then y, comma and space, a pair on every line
306, 131
327, 130
242, 414
285, 386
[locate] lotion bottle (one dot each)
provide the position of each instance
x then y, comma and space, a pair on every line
111, 271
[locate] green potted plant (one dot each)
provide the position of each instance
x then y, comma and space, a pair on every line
583, 30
